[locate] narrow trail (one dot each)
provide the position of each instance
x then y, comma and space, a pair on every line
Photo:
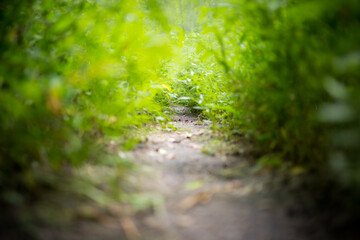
190, 196
197, 203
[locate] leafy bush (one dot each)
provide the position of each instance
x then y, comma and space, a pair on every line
196, 80
293, 69
72, 74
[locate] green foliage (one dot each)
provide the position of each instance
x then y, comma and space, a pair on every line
293, 67
72, 74
197, 80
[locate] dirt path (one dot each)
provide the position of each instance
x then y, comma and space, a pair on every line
192, 195
197, 203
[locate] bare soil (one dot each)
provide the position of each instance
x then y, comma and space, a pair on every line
199, 203
193, 194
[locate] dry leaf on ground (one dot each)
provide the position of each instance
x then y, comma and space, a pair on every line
173, 140
193, 200
195, 146
130, 229
170, 156
185, 221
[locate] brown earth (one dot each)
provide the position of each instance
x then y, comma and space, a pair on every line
193, 194
199, 203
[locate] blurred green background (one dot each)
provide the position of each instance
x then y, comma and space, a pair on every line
75, 74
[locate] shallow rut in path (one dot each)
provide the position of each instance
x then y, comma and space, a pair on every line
196, 203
